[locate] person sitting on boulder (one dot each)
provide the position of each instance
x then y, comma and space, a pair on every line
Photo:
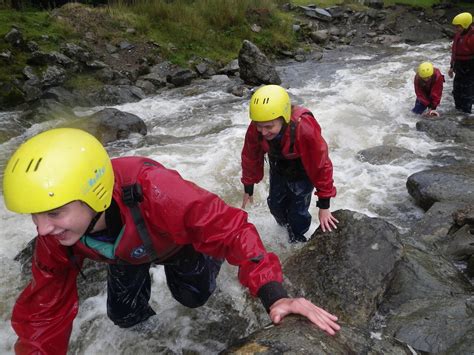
462, 62
128, 212
428, 88
298, 157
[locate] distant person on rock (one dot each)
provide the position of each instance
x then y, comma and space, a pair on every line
299, 161
462, 62
428, 89
131, 213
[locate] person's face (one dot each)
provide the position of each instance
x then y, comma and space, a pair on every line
270, 129
67, 223
459, 28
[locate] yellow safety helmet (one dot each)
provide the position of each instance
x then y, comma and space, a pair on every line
464, 20
270, 102
425, 70
56, 167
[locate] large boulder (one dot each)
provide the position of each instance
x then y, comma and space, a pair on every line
110, 124
348, 270
255, 67
449, 183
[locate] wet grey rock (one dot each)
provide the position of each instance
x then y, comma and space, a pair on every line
385, 154
451, 183
110, 124
435, 326
422, 275
255, 67
146, 86
459, 245
443, 130
117, 94
181, 77
346, 271
297, 336
230, 68
157, 79
61, 95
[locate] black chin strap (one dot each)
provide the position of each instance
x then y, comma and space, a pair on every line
93, 222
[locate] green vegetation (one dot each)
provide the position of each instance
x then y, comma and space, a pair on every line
208, 28
35, 26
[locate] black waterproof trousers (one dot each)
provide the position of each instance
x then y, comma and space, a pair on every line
463, 85
191, 278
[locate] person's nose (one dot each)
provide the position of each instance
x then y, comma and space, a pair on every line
265, 131
43, 224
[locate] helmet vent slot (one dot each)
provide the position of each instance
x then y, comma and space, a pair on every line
255, 101
266, 100
100, 191
29, 165
14, 165
38, 163
32, 165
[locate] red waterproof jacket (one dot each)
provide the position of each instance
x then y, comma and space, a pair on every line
429, 92
176, 212
462, 48
309, 145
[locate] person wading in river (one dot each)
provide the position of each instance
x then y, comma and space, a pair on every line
462, 62
129, 212
299, 161
428, 88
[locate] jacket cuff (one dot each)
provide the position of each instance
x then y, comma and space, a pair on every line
270, 293
323, 203
249, 189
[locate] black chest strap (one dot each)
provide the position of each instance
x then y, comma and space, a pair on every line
132, 196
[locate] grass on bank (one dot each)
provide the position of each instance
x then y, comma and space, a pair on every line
208, 28
35, 26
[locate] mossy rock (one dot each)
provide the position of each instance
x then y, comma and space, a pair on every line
10, 96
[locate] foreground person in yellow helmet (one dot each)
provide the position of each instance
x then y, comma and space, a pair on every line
298, 157
428, 89
462, 62
129, 212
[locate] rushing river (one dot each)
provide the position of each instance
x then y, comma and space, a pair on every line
361, 98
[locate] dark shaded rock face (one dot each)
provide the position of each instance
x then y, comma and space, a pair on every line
296, 336
110, 124
450, 183
429, 305
255, 67
347, 271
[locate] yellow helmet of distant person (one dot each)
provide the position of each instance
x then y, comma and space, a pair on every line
425, 70
464, 20
56, 167
270, 102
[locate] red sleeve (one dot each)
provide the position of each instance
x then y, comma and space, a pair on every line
420, 94
43, 314
193, 215
252, 157
315, 156
437, 90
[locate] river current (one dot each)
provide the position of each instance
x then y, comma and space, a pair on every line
361, 97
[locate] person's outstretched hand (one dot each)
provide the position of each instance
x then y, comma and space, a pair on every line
318, 316
450, 73
246, 199
431, 113
327, 220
